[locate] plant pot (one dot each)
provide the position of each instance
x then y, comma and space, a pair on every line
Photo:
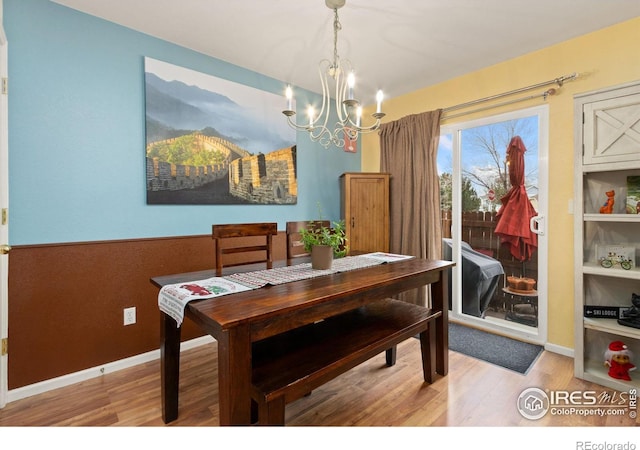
321, 257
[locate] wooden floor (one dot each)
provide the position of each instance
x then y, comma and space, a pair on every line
475, 393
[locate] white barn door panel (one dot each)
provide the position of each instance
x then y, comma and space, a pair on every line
612, 128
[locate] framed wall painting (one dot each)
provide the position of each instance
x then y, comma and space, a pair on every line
214, 141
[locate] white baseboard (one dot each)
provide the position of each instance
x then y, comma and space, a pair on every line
565, 351
94, 372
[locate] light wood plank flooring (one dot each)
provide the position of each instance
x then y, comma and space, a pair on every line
475, 393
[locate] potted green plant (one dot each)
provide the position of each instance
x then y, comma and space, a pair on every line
324, 243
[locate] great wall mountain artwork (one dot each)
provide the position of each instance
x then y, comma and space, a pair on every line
212, 141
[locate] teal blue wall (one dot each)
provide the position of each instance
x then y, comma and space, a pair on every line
77, 134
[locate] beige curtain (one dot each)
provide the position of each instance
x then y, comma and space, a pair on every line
408, 151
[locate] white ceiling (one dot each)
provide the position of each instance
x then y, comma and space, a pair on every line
395, 45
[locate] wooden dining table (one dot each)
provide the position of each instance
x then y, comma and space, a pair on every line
238, 320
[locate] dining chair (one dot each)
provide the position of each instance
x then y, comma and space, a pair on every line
246, 243
295, 248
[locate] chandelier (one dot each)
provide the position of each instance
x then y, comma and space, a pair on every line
348, 109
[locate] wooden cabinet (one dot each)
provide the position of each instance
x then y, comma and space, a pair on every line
364, 207
607, 153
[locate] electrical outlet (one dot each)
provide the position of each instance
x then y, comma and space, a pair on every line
130, 315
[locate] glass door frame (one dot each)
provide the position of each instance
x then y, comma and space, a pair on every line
537, 334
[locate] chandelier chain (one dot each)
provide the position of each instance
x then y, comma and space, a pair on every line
337, 26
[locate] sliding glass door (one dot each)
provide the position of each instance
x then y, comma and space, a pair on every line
499, 281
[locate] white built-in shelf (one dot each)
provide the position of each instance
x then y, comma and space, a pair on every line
596, 372
630, 218
592, 268
611, 167
604, 157
611, 326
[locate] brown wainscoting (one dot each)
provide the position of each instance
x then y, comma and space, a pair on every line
66, 301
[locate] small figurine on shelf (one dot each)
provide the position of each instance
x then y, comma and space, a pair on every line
607, 208
618, 359
631, 316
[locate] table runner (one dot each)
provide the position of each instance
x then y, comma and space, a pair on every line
173, 298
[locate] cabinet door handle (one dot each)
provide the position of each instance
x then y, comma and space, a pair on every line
353, 222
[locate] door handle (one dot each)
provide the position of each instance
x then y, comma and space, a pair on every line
5, 249
536, 224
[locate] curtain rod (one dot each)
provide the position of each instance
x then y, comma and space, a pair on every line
559, 81
544, 94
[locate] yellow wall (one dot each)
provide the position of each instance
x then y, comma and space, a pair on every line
604, 58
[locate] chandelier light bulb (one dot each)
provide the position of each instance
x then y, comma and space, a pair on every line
379, 97
351, 82
310, 113
289, 95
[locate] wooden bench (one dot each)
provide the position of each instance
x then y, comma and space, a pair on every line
289, 366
